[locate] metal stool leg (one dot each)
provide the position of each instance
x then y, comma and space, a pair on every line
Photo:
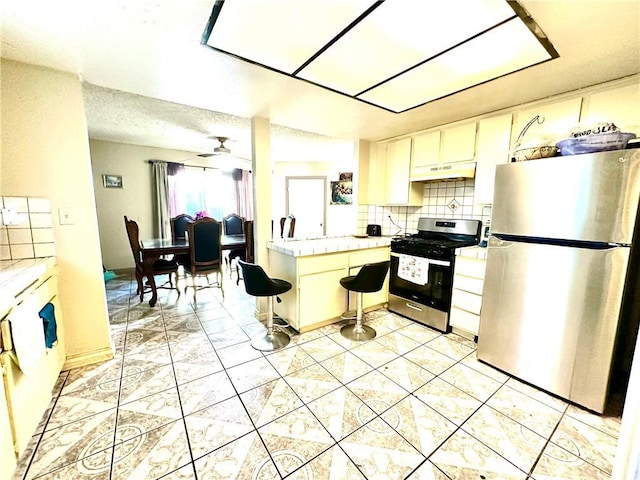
358, 331
272, 340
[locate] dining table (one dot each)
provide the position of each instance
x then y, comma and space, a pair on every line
154, 248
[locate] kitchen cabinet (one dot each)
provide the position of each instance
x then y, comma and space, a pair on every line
398, 189
425, 152
370, 173
466, 298
458, 143
559, 118
28, 395
492, 149
619, 106
7, 454
316, 297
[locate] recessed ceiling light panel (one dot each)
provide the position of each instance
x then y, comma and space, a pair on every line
394, 54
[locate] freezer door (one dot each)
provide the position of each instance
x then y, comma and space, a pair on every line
591, 197
549, 316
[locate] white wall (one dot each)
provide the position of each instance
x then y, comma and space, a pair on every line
45, 153
135, 199
341, 219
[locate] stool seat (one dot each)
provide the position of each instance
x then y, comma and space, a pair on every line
369, 279
258, 284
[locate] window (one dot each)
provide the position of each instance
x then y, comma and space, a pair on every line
195, 189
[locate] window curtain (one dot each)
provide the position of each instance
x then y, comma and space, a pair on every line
176, 204
244, 193
161, 199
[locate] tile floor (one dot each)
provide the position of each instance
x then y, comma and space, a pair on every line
186, 397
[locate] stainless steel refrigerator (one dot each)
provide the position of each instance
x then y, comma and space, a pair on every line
558, 307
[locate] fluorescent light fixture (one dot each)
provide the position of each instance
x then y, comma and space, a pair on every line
394, 54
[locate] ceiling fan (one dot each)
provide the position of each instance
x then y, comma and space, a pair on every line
219, 150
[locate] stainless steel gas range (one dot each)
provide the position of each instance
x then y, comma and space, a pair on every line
421, 273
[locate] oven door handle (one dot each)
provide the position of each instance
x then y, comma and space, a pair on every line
444, 263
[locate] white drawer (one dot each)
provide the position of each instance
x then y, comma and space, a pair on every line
466, 301
468, 284
470, 267
464, 320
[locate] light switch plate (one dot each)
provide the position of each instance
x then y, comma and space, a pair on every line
65, 215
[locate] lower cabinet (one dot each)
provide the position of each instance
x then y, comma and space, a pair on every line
317, 298
7, 453
28, 395
466, 299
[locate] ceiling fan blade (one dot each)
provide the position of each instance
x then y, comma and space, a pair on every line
205, 155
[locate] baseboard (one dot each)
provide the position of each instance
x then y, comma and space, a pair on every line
98, 356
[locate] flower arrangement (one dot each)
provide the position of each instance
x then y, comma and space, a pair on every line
201, 214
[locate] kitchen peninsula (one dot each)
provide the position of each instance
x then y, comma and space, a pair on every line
314, 268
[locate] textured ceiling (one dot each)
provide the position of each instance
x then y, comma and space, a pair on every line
149, 81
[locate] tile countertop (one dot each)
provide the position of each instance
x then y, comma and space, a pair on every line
319, 246
472, 252
17, 275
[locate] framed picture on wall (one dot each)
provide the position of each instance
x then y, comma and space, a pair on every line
341, 193
112, 181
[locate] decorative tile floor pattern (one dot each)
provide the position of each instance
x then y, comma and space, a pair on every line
186, 397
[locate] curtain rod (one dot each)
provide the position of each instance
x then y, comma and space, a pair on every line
183, 164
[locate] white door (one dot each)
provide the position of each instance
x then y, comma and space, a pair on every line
306, 200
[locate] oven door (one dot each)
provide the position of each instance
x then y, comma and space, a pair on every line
430, 287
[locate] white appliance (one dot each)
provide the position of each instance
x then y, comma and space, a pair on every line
558, 305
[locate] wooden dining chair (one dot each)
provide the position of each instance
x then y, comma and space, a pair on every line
248, 255
205, 253
233, 224
160, 266
287, 226
179, 225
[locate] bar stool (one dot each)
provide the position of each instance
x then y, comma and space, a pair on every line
369, 279
258, 284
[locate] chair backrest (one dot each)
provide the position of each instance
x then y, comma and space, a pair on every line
133, 232
256, 280
232, 224
287, 226
248, 241
371, 277
204, 243
179, 225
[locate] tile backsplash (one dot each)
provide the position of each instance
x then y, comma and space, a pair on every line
448, 199
30, 234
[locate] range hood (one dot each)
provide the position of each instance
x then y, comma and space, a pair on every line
445, 171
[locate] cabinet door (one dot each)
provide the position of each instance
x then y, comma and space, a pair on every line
398, 189
619, 106
321, 297
7, 455
425, 151
559, 119
458, 143
492, 149
370, 172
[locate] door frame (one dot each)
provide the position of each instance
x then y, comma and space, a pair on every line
324, 195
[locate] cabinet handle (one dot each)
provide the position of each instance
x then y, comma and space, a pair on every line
413, 306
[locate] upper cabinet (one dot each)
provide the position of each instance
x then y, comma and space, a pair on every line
492, 149
458, 143
555, 121
397, 163
619, 106
425, 153
450, 145
370, 173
